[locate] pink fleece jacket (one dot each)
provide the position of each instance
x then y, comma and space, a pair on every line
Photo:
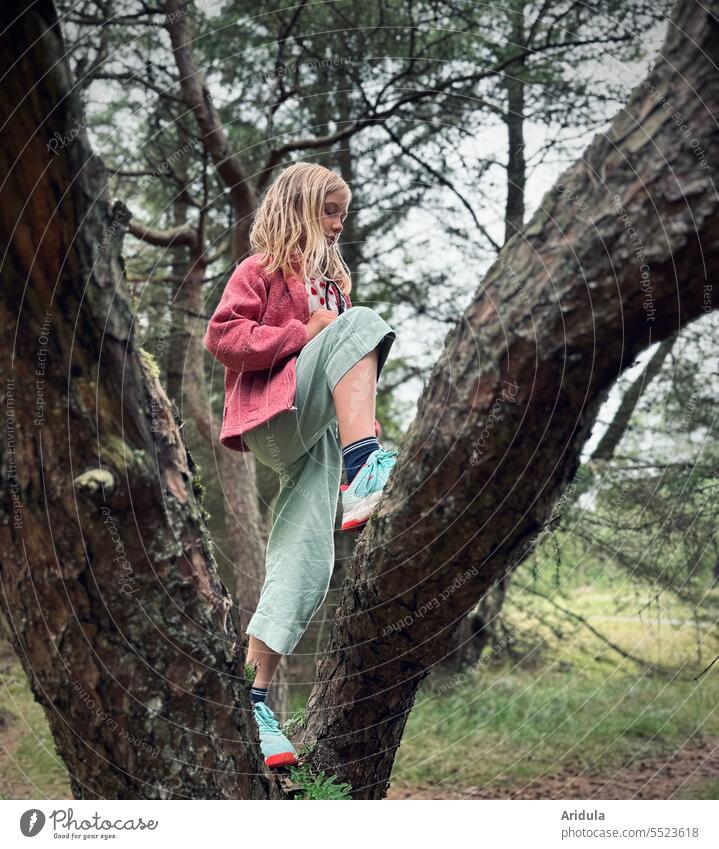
256, 332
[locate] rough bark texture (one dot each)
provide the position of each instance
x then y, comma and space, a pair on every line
513, 397
110, 591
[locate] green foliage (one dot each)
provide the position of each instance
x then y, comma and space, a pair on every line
295, 722
249, 672
318, 785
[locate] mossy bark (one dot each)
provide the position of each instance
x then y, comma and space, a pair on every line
110, 590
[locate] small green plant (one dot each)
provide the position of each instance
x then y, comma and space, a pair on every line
318, 785
306, 749
295, 722
250, 672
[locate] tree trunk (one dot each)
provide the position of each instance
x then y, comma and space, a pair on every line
127, 635
514, 119
620, 422
478, 628
614, 261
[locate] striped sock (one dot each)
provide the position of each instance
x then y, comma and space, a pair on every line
257, 694
355, 454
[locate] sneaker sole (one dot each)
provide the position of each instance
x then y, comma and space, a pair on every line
283, 759
359, 516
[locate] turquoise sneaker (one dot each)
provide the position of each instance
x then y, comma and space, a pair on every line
360, 497
276, 748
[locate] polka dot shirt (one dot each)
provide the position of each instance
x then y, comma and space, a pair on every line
317, 296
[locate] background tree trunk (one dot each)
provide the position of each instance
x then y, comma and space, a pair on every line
110, 591
514, 120
557, 318
619, 424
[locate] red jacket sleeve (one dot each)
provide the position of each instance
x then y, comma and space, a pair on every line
234, 335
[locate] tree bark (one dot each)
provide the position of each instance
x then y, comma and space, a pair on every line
512, 399
110, 591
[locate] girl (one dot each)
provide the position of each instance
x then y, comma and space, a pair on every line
301, 369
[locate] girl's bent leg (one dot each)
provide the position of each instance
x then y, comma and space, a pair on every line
321, 364
355, 399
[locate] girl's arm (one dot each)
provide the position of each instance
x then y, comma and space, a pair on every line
234, 335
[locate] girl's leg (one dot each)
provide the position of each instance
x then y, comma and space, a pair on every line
264, 660
355, 396
302, 448
300, 549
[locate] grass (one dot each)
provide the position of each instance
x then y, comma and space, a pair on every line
514, 724
570, 701
30, 768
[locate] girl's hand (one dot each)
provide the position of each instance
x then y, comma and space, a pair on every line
318, 321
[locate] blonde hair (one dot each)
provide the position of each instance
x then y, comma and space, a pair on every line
292, 208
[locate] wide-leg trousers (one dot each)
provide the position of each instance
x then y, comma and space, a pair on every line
302, 447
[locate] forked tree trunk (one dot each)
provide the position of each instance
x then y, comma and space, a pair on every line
618, 257
110, 591
147, 632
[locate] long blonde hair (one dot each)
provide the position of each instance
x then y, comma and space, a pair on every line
293, 208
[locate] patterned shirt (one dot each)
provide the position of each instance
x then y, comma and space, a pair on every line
317, 298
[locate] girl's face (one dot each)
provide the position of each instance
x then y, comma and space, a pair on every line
334, 214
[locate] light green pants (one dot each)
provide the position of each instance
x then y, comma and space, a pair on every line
302, 447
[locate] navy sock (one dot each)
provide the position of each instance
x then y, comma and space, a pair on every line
355, 454
257, 694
